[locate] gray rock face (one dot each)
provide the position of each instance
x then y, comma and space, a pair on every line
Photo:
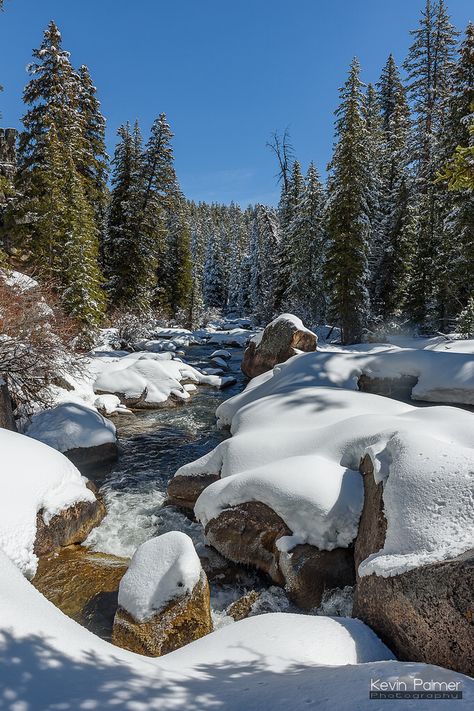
396, 388
278, 344
425, 614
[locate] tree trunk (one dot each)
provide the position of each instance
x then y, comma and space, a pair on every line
7, 421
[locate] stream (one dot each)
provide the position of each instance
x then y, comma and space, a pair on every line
154, 444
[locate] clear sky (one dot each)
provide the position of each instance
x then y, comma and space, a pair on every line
226, 72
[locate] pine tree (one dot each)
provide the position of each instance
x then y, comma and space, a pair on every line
263, 258
214, 286
50, 185
126, 254
348, 218
305, 294
374, 152
456, 245
93, 164
397, 218
290, 204
175, 269
429, 67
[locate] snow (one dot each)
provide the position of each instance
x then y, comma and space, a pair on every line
321, 505
150, 376
297, 444
221, 353
18, 280
71, 425
161, 570
35, 478
109, 405
276, 661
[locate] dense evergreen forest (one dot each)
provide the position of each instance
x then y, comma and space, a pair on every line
386, 242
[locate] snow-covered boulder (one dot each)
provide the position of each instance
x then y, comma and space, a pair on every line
280, 340
163, 597
45, 502
146, 380
80, 432
414, 611
184, 491
110, 405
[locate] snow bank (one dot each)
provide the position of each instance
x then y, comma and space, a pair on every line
71, 425
297, 444
162, 569
18, 280
274, 661
35, 477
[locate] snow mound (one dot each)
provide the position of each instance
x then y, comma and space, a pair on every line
71, 425
162, 569
273, 661
297, 445
35, 478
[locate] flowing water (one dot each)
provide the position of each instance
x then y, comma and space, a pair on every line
154, 444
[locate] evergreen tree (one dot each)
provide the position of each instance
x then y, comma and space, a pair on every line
175, 268
455, 264
263, 259
429, 67
397, 215
374, 156
348, 218
289, 207
126, 250
50, 184
305, 294
214, 286
93, 163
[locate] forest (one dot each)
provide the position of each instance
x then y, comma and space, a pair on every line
386, 242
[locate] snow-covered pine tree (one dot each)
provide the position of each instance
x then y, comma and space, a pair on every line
198, 251
348, 218
214, 285
305, 294
290, 204
175, 266
263, 258
238, 248
126, 250
374, 152
396, 210
93, 163
50, 184
455, 264
429, 67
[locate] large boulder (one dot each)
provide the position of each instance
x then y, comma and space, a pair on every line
184, 491
309, 572
248, 533
281, 339
84, 585
80, 432
71, 525
424, 614
164, 598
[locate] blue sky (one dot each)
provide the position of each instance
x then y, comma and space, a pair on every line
226, 72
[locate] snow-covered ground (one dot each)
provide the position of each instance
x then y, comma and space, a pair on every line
71, 425
275, 662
